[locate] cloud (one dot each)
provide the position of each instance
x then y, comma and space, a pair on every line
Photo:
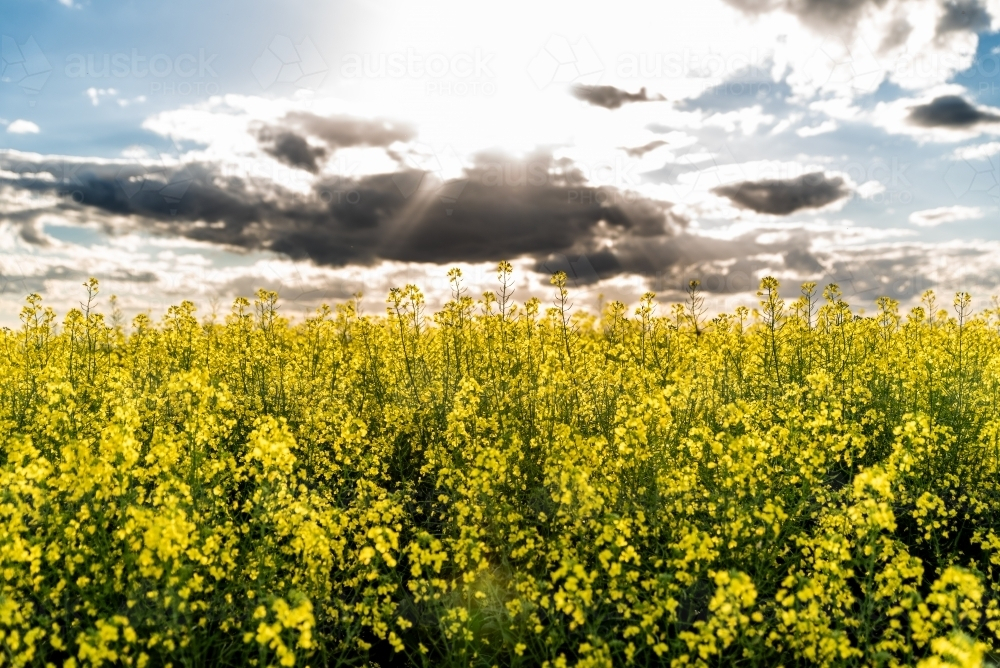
32, 233
945, 214
782, 197
95, 94
293, 139
292, 149
950, 111
610, 97
139, 99
507, 208
941, 114
830, 13
23, 284
963, 15
822, 128
639, 151
538, 208
976, 151
819, 14
870, 189
845, 15
802, 260
347, 131
21, 127
896, 34
853, 46
618, 242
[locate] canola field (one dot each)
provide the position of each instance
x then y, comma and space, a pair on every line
502, 484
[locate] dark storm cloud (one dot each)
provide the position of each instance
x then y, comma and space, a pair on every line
963, 15
672, 260
949, 111
655, 257
610, 97
503, 209
292, 149
782, 197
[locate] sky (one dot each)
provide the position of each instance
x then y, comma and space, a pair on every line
200, 150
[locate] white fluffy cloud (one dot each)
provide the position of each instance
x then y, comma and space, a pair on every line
976, 151
21, 127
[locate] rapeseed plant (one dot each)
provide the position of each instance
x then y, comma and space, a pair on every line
502, 484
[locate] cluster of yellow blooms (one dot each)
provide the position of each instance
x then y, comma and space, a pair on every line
502, 484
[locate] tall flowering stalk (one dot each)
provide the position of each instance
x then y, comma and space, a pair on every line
500, 483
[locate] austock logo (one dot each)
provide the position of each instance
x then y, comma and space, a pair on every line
23, 64
565, 62
283, 61
842, 65
975, 172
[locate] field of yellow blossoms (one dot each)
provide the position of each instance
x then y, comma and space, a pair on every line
502, 484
